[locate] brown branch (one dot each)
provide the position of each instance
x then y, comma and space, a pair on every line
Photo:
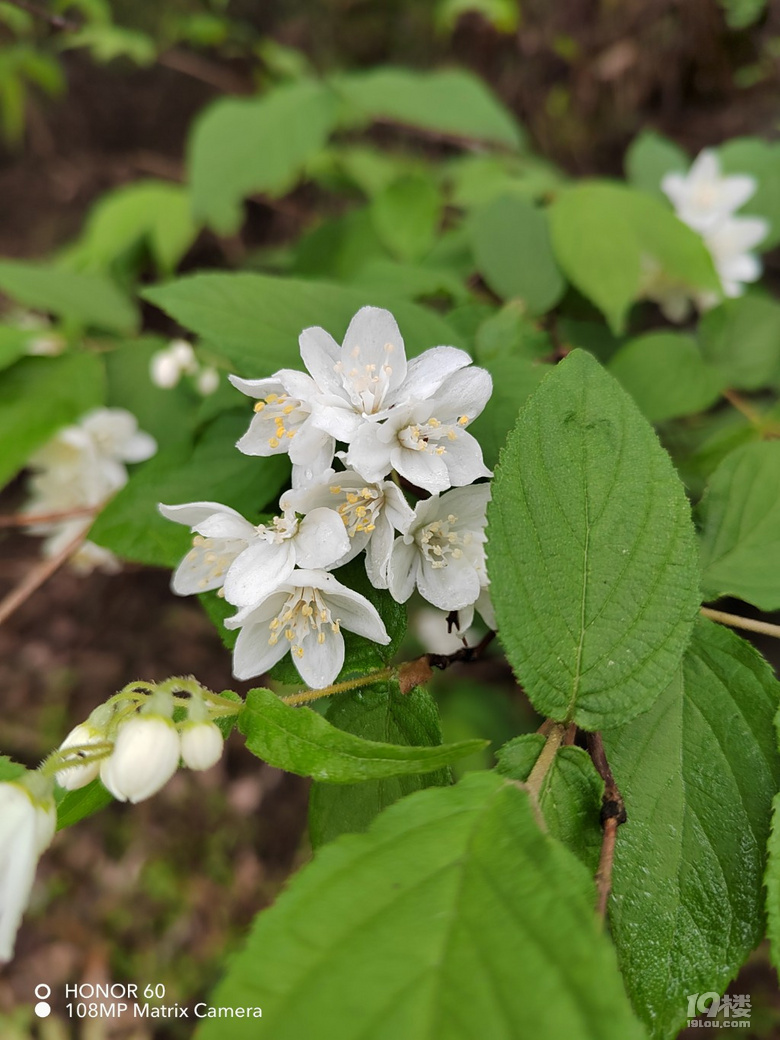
37, 576
415, 673
197, 67
613, 813
30, 519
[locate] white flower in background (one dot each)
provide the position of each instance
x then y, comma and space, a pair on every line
370, 512
202, 744
729, 244
282, 424
167, 366
250, 561
207, 381
362, 380
49, 345
145, 757
305, 616
28, 820
428, 443
703, 196
442, 553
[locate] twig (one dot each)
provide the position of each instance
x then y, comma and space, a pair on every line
306, 696
414, 673
743, 406
749, 624
30, 519
205, 71
56, 21
37, 576
613, 813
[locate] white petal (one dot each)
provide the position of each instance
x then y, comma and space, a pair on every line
320, 663
463, 458
18, 860
742, 268
426, 373
338, 419
259, 388
192, 514
425, 471
321, 540
257, 439
402, 570
370, 331
311, 455
397, 509
321, 353
736, 190
253, 654
140, 447
449, 588
369, 453
465, 393
378, 551
468, 504
258, 571
675, 187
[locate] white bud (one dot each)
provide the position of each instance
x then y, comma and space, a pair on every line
207, 381
164, 370
46, 346
184, 355
201, 745
145, 757
76, 776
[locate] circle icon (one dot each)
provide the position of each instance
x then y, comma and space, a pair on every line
42, 991
42, 1009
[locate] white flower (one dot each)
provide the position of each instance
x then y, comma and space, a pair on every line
207, 381
145, 757
362, 380
443, 551
79, 774
27, 826
703, 197
115, 434
201, 745
282, 423
168, 366
730, 243
46, 346
428, 443
305, 616
250, 561
370, 512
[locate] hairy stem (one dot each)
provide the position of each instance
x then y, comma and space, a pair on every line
748, 624
307, 696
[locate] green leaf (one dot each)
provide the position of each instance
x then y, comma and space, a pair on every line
772, 884
303, 742
452, 102
154, 211
255, 320
511, 241
742, 337
14, 343
608, 239
742, 13
761, 159
10, 770
650, 157
406, 216
408, 281
212, 470
38, 396
591, 551
570, 795
378, 713
84, 299
503, 15
241, 146
740, 521
74, 806
666, 375
514, 379
453, 917
698, 773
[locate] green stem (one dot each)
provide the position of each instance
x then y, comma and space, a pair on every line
545, 760
306, 696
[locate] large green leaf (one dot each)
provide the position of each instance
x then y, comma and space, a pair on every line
511, 241
650, 157
243, 145
84, 299
740, 520
379, 713
255, 320
406, 215
452, 102
301, 741
698, 773
570, 795
666, 375
212, 470
607, 238
453, 918
742, 337
38, 396
591, 551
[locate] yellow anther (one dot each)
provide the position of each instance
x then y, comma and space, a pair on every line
273, 640
323, 615
320, 637
198, 540
272, 398
335, 491
288, 408
259, 406
463, 420
298, 651
370, 527
291, 434
273, 442
352, 498
289, 633
306, 610
274, 624
435, 423
451, 435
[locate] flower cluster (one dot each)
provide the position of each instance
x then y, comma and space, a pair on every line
707, 202
401, 425
77, 472
168, 366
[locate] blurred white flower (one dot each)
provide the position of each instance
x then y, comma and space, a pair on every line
729, 244
442, 553
250, 561
304, 616
202, 744
370, 513
145, 757
27, 824
207, 381
46, 346
703, 196
167, 366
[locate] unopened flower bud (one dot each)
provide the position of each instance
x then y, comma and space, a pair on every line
145, 757
201, 745
79, 774
164, 370
207, 381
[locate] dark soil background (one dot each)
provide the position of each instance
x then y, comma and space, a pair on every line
116, 898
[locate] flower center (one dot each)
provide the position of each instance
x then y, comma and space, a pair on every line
359, 507
279, 530
705, 196
367, 384
286, 413
213, 556
428, 436
304, 613
439, 541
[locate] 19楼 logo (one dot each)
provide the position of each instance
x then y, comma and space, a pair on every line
731, 1011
